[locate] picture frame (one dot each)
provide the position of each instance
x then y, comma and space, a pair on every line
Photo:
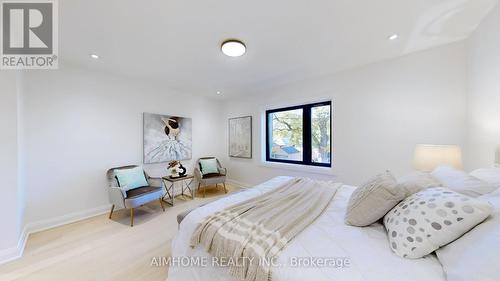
166, 138
240, 137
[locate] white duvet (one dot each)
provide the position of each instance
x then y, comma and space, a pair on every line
366, 249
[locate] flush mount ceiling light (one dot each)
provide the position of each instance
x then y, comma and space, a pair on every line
393, 37
94, 56
233, 48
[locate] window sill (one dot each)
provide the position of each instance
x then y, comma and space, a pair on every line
299, 168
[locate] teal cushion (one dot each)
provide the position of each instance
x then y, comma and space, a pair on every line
208, 166
131, 178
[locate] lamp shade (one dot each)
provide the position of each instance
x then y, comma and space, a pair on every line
429, 156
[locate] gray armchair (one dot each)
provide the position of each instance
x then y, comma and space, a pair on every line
133, 198
210, 179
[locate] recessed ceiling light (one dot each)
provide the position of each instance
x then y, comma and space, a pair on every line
94, 56
218, 93
393, 37
233, 48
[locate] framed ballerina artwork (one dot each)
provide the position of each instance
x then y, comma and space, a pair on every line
166, 138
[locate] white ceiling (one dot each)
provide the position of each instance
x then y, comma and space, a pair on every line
177, 42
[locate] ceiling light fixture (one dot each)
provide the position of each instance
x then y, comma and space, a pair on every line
218, 93
393, 37
94, 56
233, 48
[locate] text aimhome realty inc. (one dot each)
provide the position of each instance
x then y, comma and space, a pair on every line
306, 262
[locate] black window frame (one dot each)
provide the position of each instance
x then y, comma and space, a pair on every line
306, 134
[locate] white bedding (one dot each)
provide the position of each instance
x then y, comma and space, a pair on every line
366, 248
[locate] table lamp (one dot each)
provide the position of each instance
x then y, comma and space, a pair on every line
429, 156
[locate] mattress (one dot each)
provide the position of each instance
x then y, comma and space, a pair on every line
327, 250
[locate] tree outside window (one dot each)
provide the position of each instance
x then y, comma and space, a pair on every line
300, 134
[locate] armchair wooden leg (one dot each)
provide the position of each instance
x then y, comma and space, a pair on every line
131, 217
225, 189
161, 203
111, 213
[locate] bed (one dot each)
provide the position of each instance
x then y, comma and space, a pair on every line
364, 251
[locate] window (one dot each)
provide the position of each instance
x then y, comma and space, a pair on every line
300, 134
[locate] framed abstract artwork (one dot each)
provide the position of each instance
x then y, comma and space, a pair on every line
240, 137
166, 138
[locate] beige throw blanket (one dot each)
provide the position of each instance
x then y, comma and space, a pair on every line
255, 231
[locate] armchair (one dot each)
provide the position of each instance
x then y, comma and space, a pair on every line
209, 179
133, 198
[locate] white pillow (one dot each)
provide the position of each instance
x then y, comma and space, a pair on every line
474, 256
432, 218
489, 175
417, 181
461, 182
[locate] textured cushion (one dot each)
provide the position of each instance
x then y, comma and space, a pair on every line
373, 200
212, 175
131, 178
141, 191
489, 175
474, 256
209, 166
417, 181
183, 215
430, 219
462, 182
136, 201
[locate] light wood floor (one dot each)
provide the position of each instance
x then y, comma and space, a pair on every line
100, 249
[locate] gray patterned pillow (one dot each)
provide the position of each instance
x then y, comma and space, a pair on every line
430, 219
373, 200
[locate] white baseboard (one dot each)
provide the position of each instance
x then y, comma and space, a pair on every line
238, 183
33, 227
13, 253
16, 252
42, 225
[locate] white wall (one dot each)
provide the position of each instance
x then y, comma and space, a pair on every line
381, 112
483, 126
21, 157
11, 207
80, 123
